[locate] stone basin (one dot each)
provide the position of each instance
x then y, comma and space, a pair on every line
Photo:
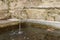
31, 31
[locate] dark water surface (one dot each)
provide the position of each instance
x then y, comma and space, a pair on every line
29, 33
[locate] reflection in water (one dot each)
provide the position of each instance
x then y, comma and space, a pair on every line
29, 33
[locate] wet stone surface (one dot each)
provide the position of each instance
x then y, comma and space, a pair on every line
30, 33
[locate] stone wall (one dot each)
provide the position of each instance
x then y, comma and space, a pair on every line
15, 9
44, 14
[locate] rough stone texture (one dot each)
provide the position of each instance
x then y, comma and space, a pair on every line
57, 18
33, 3
44, 14
18, 13
3, 5
50, 3
54, 13
36, 13
17, 4
4, 14
15, 9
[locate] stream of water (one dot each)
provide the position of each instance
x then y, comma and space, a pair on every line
29, 33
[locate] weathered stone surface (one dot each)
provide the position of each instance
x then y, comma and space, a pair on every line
18, 13
15, 7
45, 3
3, 4
57, 18
17, 4
44, 14
36, 13
4, 14
33, 3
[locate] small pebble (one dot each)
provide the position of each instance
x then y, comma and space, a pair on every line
12, 39
20, 32
24, 37
27, 38
50, 30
